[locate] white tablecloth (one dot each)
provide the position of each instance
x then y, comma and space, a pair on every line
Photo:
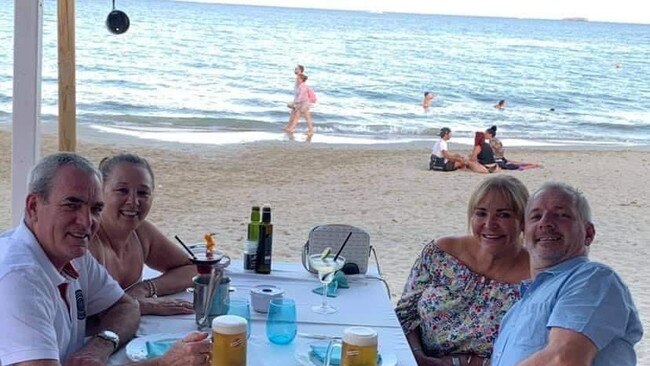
365, 303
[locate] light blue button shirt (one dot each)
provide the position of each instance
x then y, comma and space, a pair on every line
577, 294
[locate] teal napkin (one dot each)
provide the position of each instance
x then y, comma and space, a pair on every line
339, 281
319, 352
159, 348
332, 290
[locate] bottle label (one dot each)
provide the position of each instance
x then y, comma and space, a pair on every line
249, 261
264, 249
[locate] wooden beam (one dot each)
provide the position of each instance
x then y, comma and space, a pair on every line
67, 78
26, 114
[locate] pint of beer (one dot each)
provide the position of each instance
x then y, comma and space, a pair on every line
229, 341
359, 347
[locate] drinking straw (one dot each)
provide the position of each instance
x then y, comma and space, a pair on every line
342, 246
185, 246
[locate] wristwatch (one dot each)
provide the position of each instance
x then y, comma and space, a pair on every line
111, 337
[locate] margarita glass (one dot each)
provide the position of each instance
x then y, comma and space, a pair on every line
326, 268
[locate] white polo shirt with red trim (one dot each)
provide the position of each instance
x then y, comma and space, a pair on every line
43, 311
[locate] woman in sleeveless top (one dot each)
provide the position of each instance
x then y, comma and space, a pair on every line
461, 286
126, 241
481, 159
499, 151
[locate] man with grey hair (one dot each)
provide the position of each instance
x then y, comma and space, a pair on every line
574, 311
50, 284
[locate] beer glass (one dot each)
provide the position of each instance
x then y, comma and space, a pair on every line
229, 341
358, 347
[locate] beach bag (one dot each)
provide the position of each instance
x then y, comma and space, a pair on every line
437, 163
506, 165
356, 251
311, 96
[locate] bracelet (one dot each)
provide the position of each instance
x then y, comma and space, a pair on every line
151, 287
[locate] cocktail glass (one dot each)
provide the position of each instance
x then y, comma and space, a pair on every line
326, 268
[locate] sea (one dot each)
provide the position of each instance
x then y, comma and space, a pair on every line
200, 72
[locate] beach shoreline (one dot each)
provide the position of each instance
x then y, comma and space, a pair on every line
230, 140
384, 189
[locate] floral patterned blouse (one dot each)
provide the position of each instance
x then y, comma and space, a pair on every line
457, 310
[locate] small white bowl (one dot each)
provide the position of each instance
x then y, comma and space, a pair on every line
262, 295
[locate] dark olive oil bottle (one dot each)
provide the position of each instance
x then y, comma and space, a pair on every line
265, 243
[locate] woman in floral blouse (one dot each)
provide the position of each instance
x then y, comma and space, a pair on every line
461, 286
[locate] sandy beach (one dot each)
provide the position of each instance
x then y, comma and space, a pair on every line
385, 190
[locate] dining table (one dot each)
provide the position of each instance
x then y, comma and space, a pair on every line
365, 303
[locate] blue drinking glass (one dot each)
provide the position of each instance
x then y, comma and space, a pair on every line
281, 325
241, 307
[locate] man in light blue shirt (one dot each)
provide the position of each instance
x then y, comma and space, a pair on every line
574, 312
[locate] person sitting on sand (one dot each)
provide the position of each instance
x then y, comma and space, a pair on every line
482, 159
498, 150
441, 158
302, 103
428, 99
126, 241
501, 105
461, 286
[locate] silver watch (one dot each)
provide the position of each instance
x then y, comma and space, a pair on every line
111, 337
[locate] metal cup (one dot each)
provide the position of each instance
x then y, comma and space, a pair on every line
210, 292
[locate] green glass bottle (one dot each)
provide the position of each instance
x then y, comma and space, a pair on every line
250, 247
265, 243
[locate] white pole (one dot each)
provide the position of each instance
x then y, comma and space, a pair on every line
25, 137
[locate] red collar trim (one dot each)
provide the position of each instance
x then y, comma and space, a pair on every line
70, 271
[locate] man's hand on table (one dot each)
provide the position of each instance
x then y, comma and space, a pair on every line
194, 349
164, 306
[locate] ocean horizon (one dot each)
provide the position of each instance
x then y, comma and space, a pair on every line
199, 72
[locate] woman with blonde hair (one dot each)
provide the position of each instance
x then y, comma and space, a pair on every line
461, 286
126, 240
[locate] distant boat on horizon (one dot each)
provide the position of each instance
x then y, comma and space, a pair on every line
576, 19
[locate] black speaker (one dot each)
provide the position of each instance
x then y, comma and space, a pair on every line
117, 22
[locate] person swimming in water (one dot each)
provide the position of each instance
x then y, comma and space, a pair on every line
501, 105
428, 99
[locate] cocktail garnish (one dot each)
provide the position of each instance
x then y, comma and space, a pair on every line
210, 244
326, 252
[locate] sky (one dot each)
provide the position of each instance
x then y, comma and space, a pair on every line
620, 11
